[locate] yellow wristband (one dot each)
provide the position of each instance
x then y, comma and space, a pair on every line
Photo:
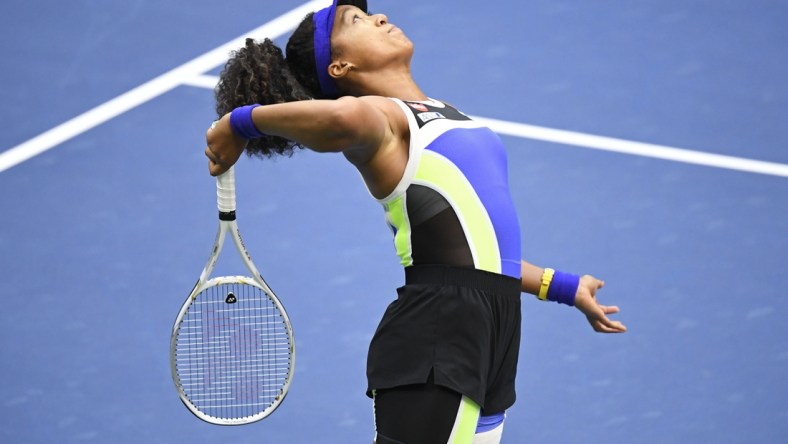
547, 278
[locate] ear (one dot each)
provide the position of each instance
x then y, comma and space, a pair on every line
339, 68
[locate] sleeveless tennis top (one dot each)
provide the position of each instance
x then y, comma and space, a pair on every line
452, 205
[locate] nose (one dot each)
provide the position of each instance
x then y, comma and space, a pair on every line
381, 19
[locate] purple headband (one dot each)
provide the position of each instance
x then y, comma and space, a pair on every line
324, 24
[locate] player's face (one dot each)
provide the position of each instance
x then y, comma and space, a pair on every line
368, 41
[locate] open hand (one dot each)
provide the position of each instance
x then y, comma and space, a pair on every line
596, 313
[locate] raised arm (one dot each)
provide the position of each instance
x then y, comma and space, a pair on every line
537, 281
357, 127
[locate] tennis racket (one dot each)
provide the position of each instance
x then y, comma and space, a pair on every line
232, 351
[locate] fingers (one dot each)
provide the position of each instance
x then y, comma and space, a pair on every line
606, 329
611, 309
613, 327
596, 313
210, 130
605, 325
218, 161
597, 317
224, 148
213, 159
215, 169
210, 155
596, 283
215, 166
591, 284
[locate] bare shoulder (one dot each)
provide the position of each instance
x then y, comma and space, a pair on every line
380, 102
383, 168
382, 125
397, 120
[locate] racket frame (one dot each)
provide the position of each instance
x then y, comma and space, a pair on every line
225, 185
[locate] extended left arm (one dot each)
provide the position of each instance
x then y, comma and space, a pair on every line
537, 281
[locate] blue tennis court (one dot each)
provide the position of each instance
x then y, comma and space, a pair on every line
647, 145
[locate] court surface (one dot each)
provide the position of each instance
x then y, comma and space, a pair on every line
108, 215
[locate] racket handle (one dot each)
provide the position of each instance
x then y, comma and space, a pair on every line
225, 191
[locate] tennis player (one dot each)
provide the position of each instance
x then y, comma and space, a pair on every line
441, 365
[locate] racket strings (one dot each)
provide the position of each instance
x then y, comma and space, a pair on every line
233, 351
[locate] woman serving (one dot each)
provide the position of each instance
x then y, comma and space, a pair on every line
441, 366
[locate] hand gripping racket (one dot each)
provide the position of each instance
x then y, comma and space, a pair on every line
232, 352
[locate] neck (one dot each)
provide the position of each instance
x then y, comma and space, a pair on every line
397, 84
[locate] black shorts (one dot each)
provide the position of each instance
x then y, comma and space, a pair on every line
461, 325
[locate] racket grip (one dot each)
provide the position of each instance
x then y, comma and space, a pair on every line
225, 191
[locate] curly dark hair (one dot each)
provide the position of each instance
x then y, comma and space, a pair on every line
259, 73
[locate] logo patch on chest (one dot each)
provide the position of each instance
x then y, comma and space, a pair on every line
426, 117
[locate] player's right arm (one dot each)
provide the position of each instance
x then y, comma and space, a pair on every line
357, 127
371, 132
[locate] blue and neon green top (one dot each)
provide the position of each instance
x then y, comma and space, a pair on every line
452, 205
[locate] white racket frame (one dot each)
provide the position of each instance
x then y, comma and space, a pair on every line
225, 193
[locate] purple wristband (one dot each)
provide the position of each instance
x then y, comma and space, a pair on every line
563, 288
242, 124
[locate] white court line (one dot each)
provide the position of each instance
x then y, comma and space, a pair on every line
150, 90
192, 74
604, 143
635, 148
202, 81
